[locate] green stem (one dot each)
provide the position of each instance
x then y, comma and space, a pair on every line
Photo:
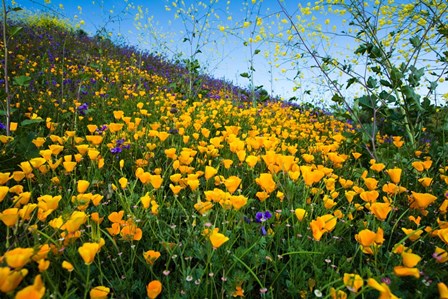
87, 285
250, 270
5, 66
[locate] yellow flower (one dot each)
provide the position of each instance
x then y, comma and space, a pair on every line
384, 290
308, 158
370, 240
421, 200
67, 266
232, 183
151, 256
252, 161
266, 182
394, 174
92, 128
26, 210
203, 207
349, 195
443, 290
38, 141
311, 176
377, 167
99, 292
193, 182
94, 139
116, 217
26, 167
210, 172
380, 210
56, 149
413, 235
410, 260
123, 182
82, 186
10, 216
4, 177
371, 183
239, 292
300, 213
88, 252
10, 279
322, 224
262, 196
69, 166
425, 182
153, 289
217, 239
146, 200
369, 196
93, 154
43, 265
405, 271
392, 189
156, 181
34, 291
227, 163
18, 257
176, 189
339, 294
238, 201
131, 232
440, 255
48, 202
118, 114
356, 155
353, 282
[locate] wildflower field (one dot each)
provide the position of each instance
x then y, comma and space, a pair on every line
114, 184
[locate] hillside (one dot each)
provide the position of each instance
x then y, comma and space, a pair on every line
120, 181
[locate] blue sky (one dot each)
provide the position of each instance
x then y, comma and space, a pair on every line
224, 56
150, 26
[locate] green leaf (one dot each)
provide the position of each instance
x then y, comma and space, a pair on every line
415, 41
16, 8
365, 102
3, 112
256, 51
384, 95
374, 52
411, 97
361, 49
28, 122
22, 80
415, 76
376, 70
372, 82
396, 75
15, 30
385, 83
350, 82
337, 98
244, 75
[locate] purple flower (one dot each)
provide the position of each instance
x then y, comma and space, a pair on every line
262, 216
83, 108
2, 126
263, 231
100, 131
115, 150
